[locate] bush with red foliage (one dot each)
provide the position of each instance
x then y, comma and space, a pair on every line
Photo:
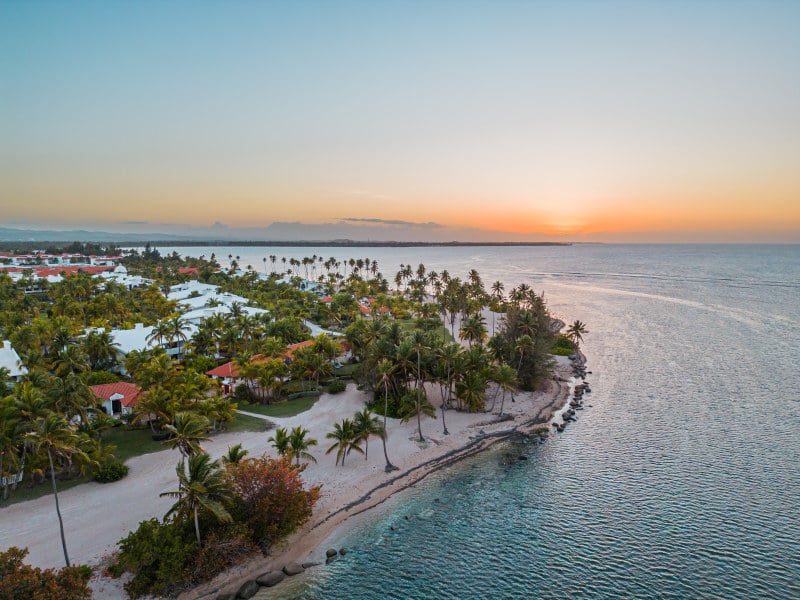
19, 580
269, 498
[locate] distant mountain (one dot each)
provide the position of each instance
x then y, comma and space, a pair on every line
8, 234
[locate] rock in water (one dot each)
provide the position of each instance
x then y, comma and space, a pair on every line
330, 552
342, 551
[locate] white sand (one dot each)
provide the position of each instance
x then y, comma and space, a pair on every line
96, 516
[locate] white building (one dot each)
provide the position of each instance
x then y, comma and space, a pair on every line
9, 359
140, 338
120, 276
182, 291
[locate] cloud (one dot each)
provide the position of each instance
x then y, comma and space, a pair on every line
391, 222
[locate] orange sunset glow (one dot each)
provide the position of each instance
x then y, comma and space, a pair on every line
598, 128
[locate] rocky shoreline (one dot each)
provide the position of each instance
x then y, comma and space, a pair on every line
246, 580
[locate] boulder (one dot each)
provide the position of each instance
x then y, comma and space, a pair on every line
309, 564
330, 552
226, 597
293, 569
343, 551
271, 578
248, 589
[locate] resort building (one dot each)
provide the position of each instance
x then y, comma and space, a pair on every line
119, 398
141, 338
9, 360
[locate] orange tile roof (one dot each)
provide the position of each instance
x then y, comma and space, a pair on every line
130, 392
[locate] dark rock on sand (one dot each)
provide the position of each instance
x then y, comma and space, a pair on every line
248, 589
309, 564
271, 578
293, 569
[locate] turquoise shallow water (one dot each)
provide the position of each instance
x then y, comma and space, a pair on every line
682, 480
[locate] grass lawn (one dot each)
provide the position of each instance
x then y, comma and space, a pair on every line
284, 408
129, 443
24, 492
346, 369
246, 423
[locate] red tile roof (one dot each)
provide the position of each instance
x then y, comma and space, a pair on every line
130, 392
229, 370
292, 347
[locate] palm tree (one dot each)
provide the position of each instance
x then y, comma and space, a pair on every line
472, 390
235, 454
298, 444
202, 487
101, 349
53, 435
71, 359
449, 354
10, 442
188, 430
506, 378
280, 441
159, 333
419, 343
497, 294
524, 344
366, 424
576, 331
411, 404
473, 330
71, 397
345, 440
385, 372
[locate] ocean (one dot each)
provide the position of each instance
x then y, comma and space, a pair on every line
681, 478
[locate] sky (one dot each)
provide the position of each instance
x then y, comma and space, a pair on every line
503, 120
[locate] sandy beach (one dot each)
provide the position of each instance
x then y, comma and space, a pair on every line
96, 516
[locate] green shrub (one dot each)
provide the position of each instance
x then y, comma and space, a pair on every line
110, 471
336, 386
297, 395
101, 377
241, 392
159, 557
200, 363
377, 405
563, 346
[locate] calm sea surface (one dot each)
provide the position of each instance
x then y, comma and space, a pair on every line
682, 480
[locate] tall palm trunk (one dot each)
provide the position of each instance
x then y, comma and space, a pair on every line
419, 400
196, 525
389, 465
444, 425
58, 509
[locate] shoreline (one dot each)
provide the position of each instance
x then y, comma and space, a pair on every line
546, 405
